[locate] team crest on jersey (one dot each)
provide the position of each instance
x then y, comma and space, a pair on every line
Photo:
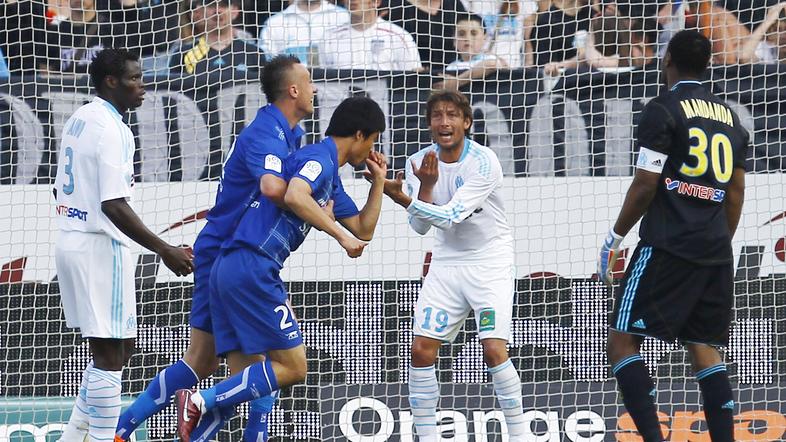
311, 170
459, 182
486, 320
377, 45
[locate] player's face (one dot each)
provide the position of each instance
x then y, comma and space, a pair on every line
305, 88
131, 89
362, 148
470, 38
449, 125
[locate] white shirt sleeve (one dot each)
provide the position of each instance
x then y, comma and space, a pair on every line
267, 40
411, 60
113, 182
465, 201
413, 187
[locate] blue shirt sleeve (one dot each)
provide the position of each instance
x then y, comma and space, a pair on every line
343, 205
316, 170
265, 155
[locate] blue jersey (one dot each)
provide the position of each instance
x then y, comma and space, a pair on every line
274, 232
259, 149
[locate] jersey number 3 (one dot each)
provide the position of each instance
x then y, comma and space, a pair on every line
720, 155
68, 188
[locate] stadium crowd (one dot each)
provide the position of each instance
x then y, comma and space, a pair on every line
457, 40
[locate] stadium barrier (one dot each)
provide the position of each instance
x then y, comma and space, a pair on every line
584, 125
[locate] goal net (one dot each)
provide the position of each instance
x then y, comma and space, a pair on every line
557, 89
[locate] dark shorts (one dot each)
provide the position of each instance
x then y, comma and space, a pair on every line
248, 305
668, 298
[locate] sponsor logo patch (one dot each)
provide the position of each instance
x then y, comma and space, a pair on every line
311, 170
487, 321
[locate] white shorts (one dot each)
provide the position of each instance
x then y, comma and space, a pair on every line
449, 293
96, 277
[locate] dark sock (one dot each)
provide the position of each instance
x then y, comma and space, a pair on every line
718, 402
638, 395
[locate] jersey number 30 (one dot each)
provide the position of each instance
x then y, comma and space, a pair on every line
722, 163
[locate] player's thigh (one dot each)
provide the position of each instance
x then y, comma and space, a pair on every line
97, 276
441, 309
656, 295
201, 353
255, 303
204, 257
710, 318
237, 361
489, 291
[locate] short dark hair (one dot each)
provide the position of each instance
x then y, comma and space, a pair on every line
356, 114
690, 52
456, 98
274, 74
468, 16
110, 61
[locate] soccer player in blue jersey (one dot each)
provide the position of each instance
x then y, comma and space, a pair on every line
250, 312
254, 165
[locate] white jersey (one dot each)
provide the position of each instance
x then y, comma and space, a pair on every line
468, 209
459, 66
95, 164
383, 46
298, 32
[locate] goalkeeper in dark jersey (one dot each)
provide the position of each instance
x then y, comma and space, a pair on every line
689, 187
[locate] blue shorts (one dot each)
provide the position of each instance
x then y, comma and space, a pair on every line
206, 249
248, 304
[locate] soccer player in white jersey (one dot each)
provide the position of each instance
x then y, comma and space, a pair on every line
369, 42
455, 185
95, 175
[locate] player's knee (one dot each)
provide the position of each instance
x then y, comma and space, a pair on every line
423, 354
495, 356
201, 359
620, 345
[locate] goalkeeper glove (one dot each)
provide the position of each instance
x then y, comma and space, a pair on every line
609, 252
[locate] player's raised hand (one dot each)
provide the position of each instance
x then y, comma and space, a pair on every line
353, 246
609, 252
428, 172
178, 259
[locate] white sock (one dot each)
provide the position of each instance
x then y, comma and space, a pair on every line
507, 385
423, 399
199, 401
103, 403
76, 429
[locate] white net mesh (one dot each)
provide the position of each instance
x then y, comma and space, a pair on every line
556, 88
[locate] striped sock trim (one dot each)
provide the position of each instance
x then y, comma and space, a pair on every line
701, 374
621, 364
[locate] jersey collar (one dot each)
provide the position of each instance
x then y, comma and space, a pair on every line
293, 135
674, 88
463, 152
109, 106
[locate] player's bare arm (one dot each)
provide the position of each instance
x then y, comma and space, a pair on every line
178, 259
273, 188
735, 194
298, 198
637, 200
394, 189
363, 224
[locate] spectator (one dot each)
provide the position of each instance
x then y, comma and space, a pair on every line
554, 38
504, 22
369, 42
148, 26
22, 25
4, 73
431, 23
72, 42
472, 62
618, 42
216, 46
298, 29
767, 44
723, 29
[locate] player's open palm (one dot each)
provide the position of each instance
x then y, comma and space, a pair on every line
428, 172
353, 246
178, 259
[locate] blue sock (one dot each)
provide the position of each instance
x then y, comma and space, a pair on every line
156, 397
254, 382
638, 395
257, 427
211, 424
